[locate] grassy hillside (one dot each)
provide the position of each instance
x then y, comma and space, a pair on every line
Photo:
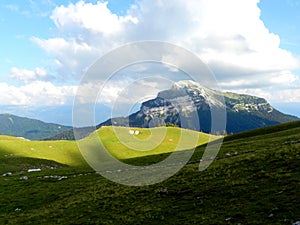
67, 152
255, 180
154, 141
64, 152
29, 128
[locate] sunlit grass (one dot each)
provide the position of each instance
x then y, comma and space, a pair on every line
117, 141
123, 145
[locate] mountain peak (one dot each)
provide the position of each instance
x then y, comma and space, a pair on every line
186, 83
183, 88
187, 100
244, 112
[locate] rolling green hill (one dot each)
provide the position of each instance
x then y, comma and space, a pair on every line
254, 180
67, 152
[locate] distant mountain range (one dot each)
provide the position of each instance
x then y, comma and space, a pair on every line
179, 105
58, 114
187, 99
29, 128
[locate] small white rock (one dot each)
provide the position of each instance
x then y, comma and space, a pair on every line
24, 178
33, 170
7, 174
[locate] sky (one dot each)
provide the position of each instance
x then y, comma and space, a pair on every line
251, 46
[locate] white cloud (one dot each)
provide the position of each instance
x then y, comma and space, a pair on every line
125, 97
274, 95
228, 35
283, 79
26, 75
121, 92
36, 93
86, 32
71, 57
96, 18
87, 93
287, 95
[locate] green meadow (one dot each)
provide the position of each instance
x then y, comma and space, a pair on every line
117, 140
254, 180
123, 145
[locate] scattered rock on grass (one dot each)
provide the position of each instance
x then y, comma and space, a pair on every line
163, 191
55, 177
7, 174
24, 178
33, 170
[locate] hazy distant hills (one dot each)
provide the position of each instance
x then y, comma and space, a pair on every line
29, 128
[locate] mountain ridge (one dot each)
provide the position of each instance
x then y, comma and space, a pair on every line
243, 112
185, 99
32, 129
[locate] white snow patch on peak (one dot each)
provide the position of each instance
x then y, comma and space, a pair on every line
195, 90
193, 87
187, 83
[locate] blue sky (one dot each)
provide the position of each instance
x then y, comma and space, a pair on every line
283, 18
46, 45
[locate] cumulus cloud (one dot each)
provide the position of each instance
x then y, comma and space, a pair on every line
135, 89
72, 57
274, 95
86, 16
228, 35
125, 98
86, 32
287, 95
36, 93
26, 76
273, 79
